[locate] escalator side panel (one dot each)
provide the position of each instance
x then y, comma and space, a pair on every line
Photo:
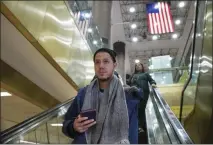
199, 124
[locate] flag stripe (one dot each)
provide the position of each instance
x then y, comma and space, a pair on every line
170, 18
158, 22
148, 23
165, 18
161, 18
154, 23
151, 24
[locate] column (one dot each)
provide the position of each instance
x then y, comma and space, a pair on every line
119, 48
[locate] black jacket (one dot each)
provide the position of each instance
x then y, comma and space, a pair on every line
141, 80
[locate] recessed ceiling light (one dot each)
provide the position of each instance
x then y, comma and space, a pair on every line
181, 4
133, 26
134, 39
174, 36
132, 9
3, 94
154, 37
177, 22
137, 61
89, 30
198, 34
95, 42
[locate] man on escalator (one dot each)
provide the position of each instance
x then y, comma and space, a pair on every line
116, 108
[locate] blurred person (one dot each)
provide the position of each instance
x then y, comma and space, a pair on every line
116, 116
140, 79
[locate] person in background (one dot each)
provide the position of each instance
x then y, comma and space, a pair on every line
115, 122
140, 79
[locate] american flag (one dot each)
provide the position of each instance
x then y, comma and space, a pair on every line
159, 18
82, 23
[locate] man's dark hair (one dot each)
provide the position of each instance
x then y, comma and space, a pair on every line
109, 51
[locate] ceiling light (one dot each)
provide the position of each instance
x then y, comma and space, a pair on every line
198, 34
181, 4
154, 37
56, 124
133, 26
89, 30
132, 9
137, 61
95, 42
3, 94
134, 39
177, 22
174, 36
164, 77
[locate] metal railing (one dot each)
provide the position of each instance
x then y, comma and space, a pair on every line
33, 122
171, 129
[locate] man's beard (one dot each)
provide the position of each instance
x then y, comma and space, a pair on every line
105, 79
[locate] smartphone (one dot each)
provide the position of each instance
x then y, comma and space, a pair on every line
91, 114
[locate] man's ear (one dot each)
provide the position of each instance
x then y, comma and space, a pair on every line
115, 65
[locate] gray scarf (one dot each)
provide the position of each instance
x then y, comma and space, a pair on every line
111, 113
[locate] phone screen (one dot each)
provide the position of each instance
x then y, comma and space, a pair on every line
91, 114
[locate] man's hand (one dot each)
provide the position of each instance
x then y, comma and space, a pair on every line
154, 86
81, 124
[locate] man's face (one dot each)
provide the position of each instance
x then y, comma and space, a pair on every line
104, 66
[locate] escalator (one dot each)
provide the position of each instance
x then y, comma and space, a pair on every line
46, 128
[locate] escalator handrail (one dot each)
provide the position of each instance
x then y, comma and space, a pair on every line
18, 129
178, 128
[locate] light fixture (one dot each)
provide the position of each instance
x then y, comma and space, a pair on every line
137, 61
177, 22
174, 36
164, 77
198, 34
170, 58
181, 4
134, 39
132, 9
56, 124
89, 30
95, 42
154, 37
133, 26
3, 94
